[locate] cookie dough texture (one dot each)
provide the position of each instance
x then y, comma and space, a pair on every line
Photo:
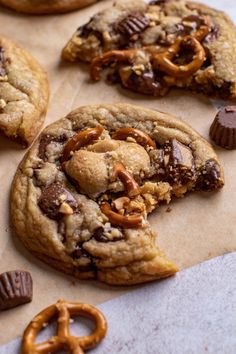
46, 6
58, 217
156, 25
24, 93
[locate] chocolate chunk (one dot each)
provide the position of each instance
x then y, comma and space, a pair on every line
2, 63
158, 2
53, 197
15, 289
132, 24
100, 235
223, 128
45, 141
157, 163
209, 178
179, 163
145, 83
79, 252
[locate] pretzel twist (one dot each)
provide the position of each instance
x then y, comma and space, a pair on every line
63, 339
126, 178
164, 61
81, 139
140, 137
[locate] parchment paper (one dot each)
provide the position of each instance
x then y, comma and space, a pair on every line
199, 227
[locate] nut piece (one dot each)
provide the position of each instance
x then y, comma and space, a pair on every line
15, 289
63, 310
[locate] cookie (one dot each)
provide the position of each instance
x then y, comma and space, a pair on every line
45, 6
82, 195
24, 93
150, 48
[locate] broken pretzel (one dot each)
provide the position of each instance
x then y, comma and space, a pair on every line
140, 137
79, 140
132, 188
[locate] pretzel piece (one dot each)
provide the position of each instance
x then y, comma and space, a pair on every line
81, 139
63, 339
127, 221
126, 178
164, 61
107, 58
140, 137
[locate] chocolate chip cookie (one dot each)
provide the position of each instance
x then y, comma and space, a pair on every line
149, 48
45, 6
82, 195
24, 93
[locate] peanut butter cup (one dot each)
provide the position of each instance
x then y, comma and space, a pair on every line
223, 128
15, 289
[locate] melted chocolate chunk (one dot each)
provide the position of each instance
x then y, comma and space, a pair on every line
100, 236
145, 83
45, 141
51, 199
158, 2
79, 252
85, 31
213, 35
2, 63
209, 177
132, 24
157, 162
15, 289
179, 163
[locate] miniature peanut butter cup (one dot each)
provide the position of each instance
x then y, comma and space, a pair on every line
15, 289
223, 128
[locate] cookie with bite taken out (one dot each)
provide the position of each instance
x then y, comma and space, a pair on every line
81, 197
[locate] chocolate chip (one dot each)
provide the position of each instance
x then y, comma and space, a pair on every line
79, 252
2, 63
223, 128
209, 177
52, 197
132, 24
213, 35
15, 289
99, 235
45, 141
